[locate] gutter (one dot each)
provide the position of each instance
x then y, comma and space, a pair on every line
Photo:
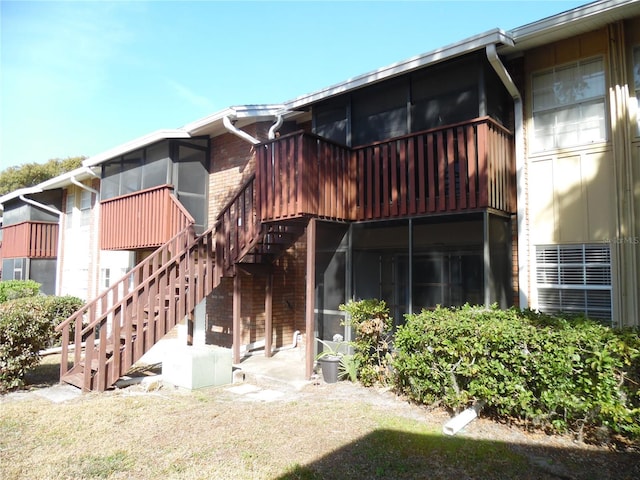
523, 238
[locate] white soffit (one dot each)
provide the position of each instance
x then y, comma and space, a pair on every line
477, 42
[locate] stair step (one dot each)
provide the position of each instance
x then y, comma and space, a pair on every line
75, 379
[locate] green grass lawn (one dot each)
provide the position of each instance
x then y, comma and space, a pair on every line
217, 434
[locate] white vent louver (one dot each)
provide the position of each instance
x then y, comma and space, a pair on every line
575, 279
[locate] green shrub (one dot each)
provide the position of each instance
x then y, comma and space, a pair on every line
26, 327
553, 373
372, 326
12, 289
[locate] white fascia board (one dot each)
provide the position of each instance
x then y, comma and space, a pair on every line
187, 131
257, 111
235, 113
63, 180
591, 15
140, 142
16, 193
477, 42
80, 173
207, 121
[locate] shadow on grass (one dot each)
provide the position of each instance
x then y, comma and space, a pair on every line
45, 374
392, 454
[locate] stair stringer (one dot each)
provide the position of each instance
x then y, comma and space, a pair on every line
122, 324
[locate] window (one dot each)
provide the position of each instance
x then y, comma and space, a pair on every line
71, 202
68, 209
85, 208
574, 279
636, 80
379, 112
14, 269
106, 278
569, 106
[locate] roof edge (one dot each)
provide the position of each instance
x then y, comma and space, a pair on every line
470, 44
583, 12
134, 145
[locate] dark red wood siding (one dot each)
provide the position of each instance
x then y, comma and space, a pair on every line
30, 240
144, 219
468, 166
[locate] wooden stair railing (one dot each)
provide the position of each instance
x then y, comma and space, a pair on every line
122, 324
241, 237
125, 321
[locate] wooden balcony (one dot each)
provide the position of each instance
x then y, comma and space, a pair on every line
144, 219
464, 167
30, 240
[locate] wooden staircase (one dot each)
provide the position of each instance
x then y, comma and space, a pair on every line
119, 326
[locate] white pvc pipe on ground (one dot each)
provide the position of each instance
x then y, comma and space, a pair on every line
458, 422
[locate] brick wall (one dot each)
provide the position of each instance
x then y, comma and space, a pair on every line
232, 162
288, 303
514, 261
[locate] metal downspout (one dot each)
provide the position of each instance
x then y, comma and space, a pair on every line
83, 186
524, 279
226, 121
57, 212
274, 128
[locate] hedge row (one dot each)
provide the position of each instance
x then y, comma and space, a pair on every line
26, 327
549, 372
12, 289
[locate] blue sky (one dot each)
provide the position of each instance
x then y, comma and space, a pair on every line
78, 78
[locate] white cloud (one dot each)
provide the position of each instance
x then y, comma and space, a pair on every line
193, 98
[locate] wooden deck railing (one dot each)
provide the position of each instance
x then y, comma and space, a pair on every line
455, 168
144, 219
120, 325
30, 239
304, 174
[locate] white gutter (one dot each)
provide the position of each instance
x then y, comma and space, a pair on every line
226, 121
274, 128
523, 237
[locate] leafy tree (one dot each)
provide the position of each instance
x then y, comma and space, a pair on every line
31, 174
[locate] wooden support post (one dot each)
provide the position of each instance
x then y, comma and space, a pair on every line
268, 315
190, 329
310, 297
486, 254
236, 317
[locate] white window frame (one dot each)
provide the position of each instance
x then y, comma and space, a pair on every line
569, 111
70, 205
105, 281
564, 273
85, 207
